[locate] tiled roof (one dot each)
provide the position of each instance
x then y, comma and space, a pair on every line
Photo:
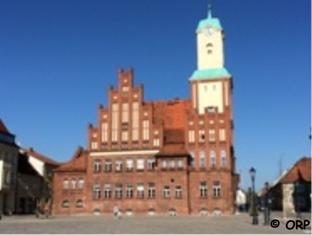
210, 74
301, 171
77, 163
172, 114
173, 136
31, 152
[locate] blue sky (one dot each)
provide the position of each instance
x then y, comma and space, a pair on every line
57, 59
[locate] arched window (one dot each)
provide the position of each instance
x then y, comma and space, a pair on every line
209, 44
79, 203
223, 158
65, 204
202, 159
203, 189
203, 211
216, 188
151, 211
212, 158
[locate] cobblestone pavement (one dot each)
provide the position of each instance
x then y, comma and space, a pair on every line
138, 224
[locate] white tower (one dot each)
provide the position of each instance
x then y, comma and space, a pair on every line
209, 90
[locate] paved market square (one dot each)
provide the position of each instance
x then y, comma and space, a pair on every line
139, 224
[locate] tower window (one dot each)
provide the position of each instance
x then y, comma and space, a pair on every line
209, 46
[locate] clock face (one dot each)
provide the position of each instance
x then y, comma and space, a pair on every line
209, 31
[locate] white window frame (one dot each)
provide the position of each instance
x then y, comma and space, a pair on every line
140, 164
191, 136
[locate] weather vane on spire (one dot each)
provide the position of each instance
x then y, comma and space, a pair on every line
209, 8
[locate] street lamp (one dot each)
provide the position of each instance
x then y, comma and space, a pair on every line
267, 203
254, 212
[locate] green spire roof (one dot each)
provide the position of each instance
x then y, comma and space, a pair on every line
209, 21
210, 74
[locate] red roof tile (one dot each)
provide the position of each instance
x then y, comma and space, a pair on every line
172, 114
41, 157
174, 136
300, 171
77, 162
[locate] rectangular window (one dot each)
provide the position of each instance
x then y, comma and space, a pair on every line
164, 164
65, 184
129, 164
203, 189
81, 183
125, 113
94, 145
222, 134
212, 135
105, 132
74, 183
96, 166
107, 191
156, 142
140, 164
118, 166
107, 166
115, 123
151, 190
202, 159
223, 158
180, 163
146, 130
140, 191
201, 136
135, 121
124, 136
192, 163
118, 191
172, 164
96, 192
166, 192
151, 164
178, 192
216, 189
213, 160
191, 136
129, 191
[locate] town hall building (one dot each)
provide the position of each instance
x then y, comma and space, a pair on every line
159, 157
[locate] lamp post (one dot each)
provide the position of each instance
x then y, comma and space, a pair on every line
254, 213
267, 203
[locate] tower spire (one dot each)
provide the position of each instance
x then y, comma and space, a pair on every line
209, 9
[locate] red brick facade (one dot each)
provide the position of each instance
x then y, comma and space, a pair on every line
151, 157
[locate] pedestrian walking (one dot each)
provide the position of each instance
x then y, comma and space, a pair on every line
115, 212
